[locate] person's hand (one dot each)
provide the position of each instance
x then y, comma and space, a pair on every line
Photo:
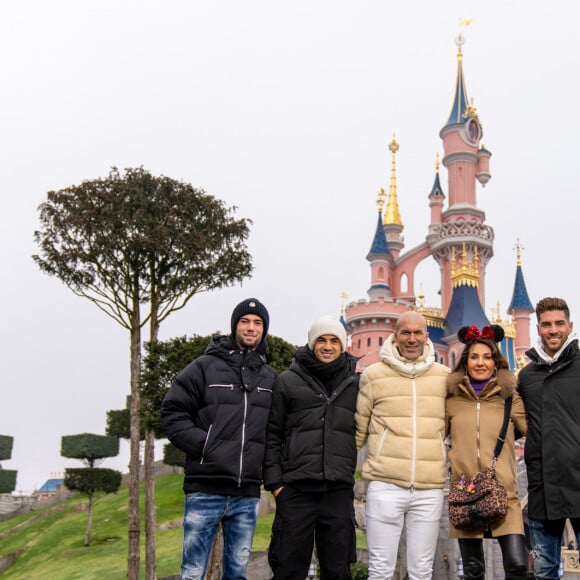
277, 491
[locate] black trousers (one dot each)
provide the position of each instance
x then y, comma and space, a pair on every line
513, 551
304, 519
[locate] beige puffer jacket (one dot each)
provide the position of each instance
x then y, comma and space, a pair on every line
401, 416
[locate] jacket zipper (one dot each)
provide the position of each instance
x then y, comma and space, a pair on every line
477, 422
243, 437
205, 444
414, 456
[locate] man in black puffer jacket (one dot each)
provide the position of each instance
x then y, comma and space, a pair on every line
216, 412
550, 388
311, 457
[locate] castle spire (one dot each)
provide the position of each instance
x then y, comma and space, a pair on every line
520, 299
380, 246
462, 108
520, 308
392, 215
437, 190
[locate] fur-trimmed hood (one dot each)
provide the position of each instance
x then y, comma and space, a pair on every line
457, 382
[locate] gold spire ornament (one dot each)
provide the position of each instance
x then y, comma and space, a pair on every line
392, 215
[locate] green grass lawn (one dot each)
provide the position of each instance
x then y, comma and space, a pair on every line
52, 538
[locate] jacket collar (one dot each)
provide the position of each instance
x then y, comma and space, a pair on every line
543, 356
390, 355
457, 382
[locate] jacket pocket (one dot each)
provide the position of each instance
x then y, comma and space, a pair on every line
442, 443
205, 444
381, 442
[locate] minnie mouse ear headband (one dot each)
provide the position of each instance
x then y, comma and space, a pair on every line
468, 333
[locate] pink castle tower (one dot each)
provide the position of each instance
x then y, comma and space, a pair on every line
519, 309
457, 239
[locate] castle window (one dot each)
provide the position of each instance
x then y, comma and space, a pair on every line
404, 283
380, 341
368, 341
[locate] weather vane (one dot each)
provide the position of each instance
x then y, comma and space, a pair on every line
519, 247
463, 23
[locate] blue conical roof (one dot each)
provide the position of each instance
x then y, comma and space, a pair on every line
380, 245
436, 190
460, 101
520, 298
465, 309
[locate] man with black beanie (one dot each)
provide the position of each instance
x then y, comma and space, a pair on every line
216, 412
311, 457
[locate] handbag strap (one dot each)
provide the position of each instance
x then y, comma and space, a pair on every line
503, 431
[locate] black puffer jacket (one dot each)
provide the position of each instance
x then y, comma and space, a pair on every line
551, 395
310, 433
216, 412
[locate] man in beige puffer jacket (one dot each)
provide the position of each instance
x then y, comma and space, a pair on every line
401, 416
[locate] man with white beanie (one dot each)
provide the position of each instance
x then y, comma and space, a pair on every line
310, 457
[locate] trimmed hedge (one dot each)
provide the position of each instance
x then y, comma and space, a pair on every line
89, 446
7, 480
91, 479
6, 443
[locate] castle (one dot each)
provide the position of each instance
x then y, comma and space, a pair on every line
458, 239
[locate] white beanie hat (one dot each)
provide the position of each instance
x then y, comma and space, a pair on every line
327, 325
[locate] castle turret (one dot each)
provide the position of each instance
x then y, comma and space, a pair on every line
380, 258
463, 222
436, 196
520, 308
465, 308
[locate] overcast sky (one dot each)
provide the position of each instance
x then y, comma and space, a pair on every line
284, 110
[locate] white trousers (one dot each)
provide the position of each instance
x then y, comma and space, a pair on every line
388, 508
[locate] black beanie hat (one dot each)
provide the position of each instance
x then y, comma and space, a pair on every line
250, 306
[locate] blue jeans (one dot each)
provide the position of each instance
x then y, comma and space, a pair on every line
546, 538
203, 514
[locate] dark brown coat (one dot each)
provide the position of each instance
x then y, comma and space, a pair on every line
473, 424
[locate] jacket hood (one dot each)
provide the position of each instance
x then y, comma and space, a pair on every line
505, 380
225, 347
539, 355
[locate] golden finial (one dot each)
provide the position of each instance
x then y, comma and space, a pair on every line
496, 314
453, 271
475, 259
519, 247
437, 162
421, 298
343, 298
392, 215
381, 199
464, 262
468, 272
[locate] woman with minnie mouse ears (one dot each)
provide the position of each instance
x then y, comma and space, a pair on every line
477, 390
